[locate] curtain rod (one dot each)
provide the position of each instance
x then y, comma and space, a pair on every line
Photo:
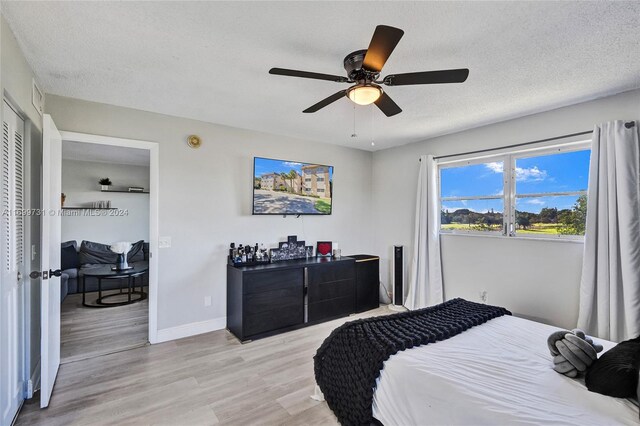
628, 125
480, 151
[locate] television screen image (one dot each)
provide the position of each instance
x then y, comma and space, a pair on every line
289, 187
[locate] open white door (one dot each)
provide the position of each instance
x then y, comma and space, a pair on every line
50, 266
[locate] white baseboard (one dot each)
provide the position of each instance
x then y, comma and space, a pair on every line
191, 329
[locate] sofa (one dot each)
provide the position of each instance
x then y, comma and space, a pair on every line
89, 255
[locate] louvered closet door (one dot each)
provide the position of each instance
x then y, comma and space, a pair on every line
12, 249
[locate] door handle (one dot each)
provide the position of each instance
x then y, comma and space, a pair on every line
45, 274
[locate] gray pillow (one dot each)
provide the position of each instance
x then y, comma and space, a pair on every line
92, 252
72, 243
98, 253
136, 254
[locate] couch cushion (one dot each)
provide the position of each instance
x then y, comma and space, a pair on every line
70, 273
64, 286
69, 258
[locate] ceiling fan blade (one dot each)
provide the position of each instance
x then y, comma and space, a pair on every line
387, 106
382, 43
326, 101
306, 74
427, 77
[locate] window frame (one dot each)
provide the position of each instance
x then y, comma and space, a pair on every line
509, 196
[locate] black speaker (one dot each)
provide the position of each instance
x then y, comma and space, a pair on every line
398, 275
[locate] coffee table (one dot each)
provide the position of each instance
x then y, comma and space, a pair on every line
106, 272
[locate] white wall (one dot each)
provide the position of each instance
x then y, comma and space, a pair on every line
538, 279
205, 198
80, 185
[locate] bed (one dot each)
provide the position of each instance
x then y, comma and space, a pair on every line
458, 363
499, 372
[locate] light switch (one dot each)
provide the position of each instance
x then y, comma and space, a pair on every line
164, 242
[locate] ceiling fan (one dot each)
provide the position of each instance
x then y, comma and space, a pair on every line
363, 68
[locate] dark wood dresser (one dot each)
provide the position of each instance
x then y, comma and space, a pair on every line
268, 299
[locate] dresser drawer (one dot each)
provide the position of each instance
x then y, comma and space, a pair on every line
272, 280
331, 272
331, 290
331, 308
284, 298
273, 320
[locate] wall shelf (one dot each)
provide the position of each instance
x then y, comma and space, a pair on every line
89, 208
123, 191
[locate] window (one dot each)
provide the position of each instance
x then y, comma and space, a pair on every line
320, 179
540, 192
472, 197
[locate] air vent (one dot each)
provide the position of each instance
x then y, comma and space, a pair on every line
37, 98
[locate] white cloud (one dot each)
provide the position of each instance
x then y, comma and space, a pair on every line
531, 174
536, 201
292, 164
495, 167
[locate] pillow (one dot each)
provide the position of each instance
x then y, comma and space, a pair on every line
615, 373
69, 258
136, 254
96, 253
72, 243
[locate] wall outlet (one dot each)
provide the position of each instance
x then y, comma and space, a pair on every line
484, 296
164, 242
207, 301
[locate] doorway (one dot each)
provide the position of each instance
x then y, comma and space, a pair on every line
51, 243
105, 209
107, 149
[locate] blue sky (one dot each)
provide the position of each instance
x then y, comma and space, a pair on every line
266, 165
549, 173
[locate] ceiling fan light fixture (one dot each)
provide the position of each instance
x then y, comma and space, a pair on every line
364, 95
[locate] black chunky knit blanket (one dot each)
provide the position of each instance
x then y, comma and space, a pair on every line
351, 358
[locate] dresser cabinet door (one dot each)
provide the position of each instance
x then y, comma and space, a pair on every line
367, 285
273, 300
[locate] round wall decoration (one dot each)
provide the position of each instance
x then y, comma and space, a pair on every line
194, 141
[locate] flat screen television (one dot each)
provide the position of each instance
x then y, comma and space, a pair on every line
291, 188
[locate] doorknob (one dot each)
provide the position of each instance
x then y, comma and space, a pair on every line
45, 274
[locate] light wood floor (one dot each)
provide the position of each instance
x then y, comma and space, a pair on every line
89, 332
201, 380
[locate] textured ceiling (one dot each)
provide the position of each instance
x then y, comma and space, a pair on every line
209, 60
104, 153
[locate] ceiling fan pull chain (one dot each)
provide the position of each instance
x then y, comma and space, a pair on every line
354, 134
373, 143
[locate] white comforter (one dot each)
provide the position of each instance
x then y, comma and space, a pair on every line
498, 373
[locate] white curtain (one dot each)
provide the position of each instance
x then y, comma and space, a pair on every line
610, 285
425, 273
